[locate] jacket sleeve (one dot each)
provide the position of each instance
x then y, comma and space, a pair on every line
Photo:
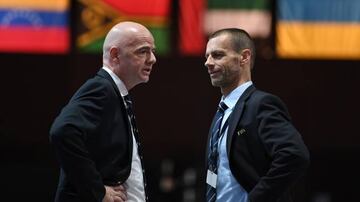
285, 147
77, 122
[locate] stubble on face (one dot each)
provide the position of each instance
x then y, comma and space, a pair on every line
223, 66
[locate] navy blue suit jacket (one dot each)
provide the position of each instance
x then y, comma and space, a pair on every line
266, 153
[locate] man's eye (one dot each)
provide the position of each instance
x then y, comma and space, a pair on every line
217, 55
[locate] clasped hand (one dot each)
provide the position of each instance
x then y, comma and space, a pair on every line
115, 194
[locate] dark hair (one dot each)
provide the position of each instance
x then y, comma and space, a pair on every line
240, 40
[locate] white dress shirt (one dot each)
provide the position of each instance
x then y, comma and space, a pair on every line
135, 183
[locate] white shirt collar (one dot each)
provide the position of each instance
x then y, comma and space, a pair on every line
121, 86
231, 99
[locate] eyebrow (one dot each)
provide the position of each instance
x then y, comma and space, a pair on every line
214, 51
146, 47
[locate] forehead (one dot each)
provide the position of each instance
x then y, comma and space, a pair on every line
140, 39
221, 42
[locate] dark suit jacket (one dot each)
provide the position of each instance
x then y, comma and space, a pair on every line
266, 153
92, 140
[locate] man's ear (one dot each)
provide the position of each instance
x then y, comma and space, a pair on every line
245, 56
114, 52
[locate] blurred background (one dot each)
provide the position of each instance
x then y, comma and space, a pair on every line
308, 53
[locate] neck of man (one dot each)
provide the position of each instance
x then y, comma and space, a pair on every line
226, 90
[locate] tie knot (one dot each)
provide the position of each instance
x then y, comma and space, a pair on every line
222, 107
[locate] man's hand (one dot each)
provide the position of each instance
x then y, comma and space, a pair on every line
115, 194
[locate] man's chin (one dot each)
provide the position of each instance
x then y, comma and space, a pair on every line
215, 83
145, 79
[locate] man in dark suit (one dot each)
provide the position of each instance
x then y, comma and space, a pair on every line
95, 136
254, 152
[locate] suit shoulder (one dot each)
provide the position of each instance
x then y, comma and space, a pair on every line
97, 86
263, 96
263, 100
97, 81
93, 99
260, 98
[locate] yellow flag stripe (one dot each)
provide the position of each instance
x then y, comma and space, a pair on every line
318, 40
53, 5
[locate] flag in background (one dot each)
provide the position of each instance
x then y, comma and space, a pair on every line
30, 26
254, 16
321, 29
198, 18
98, 16
191, 27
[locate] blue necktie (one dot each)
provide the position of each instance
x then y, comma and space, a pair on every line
129, 110
213, 149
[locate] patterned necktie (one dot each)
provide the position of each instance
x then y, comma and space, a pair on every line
129, 110
213, 149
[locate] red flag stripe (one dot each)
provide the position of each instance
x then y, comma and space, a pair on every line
141, 7
44, 40
192, 38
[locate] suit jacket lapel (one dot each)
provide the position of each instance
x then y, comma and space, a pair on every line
106, 75
236, 115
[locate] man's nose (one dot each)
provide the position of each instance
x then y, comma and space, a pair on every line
209, 62
152, 58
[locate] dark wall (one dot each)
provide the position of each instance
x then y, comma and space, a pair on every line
174, 111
